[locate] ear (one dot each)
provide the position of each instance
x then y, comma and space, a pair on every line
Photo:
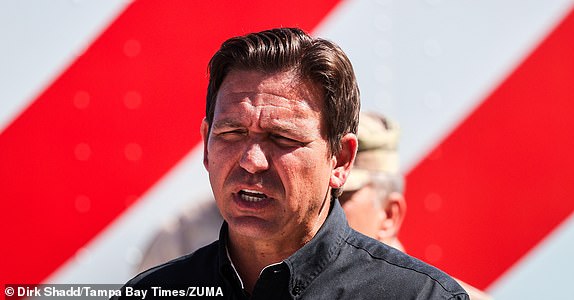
343, 161
395, 209
204, 129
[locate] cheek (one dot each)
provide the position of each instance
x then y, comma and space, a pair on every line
360, 216
220, 160
221, 153
350, 209
302, 169
306, 181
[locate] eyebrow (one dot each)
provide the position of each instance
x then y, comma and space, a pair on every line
284, 130
224, 123
273, 127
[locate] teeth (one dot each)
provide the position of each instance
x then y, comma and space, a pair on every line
252, 196
251, 199
252, 192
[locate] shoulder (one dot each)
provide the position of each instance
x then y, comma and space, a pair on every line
186, 269
395, 268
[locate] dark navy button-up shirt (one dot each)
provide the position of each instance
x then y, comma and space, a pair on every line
338, 263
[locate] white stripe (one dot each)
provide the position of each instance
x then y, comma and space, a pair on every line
428, 63
112, 256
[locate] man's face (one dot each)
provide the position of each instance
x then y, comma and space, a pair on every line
362, 213
267, 155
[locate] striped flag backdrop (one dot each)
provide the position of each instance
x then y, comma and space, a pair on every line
101, 101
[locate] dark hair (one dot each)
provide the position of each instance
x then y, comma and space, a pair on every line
291, 49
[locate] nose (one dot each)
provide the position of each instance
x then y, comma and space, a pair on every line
254, 159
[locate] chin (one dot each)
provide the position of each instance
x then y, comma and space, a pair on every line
253, 227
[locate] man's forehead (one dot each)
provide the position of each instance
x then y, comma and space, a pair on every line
271, 88
265, 104
277, 118
267, 92
255, 78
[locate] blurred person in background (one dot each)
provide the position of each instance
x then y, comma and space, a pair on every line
373, 196
198, 225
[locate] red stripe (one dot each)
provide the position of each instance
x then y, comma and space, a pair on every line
503, 180
114, 122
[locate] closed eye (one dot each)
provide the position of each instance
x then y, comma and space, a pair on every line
236, 131
231, 134
284, 141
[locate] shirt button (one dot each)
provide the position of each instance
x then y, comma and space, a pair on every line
297, 290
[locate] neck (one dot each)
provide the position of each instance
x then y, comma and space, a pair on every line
250, 256
250, 259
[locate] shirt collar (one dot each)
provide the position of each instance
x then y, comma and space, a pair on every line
226, 268
233, 267
307, 262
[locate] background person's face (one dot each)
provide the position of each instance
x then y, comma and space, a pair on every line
362, 213
267, 155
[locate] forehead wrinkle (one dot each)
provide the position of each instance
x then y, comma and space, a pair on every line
267, 99
263, 100
297, 122
226, 123
267, 102
290, 87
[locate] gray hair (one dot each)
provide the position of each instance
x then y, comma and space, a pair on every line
385, 184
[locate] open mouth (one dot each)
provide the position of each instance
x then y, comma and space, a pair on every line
251, 196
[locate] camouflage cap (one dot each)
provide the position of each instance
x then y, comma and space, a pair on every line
378, 141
